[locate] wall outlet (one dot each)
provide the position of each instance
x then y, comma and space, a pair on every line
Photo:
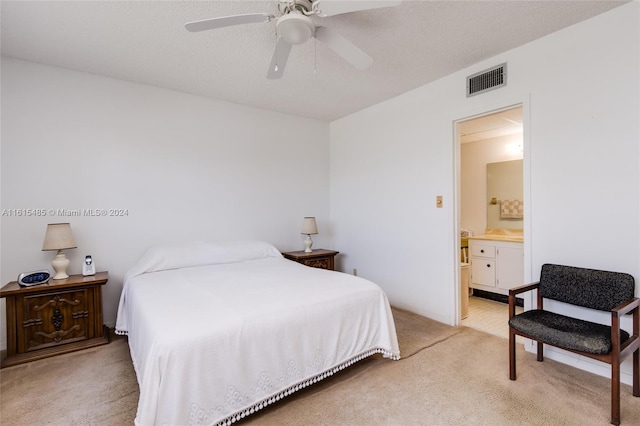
355, 272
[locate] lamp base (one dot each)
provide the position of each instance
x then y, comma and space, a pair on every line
60, 265
307, 244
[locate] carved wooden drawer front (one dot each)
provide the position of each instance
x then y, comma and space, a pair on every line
323, 263
54, 318
318, 258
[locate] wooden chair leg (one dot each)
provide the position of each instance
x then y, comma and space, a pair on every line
512, 354
636, 373
615, 392
540, 356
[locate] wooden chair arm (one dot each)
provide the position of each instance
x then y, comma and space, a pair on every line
631, 305
518, 290
524, 288
626, 307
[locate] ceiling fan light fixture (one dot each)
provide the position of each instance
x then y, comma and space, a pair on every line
295, 28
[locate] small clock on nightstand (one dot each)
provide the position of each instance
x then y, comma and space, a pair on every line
318, 258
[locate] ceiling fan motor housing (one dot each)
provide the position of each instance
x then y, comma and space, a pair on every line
286, 6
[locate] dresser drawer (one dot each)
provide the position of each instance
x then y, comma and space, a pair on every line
481, 250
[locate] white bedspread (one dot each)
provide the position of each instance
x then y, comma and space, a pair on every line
213, 343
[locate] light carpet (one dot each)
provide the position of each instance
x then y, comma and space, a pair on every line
448, 376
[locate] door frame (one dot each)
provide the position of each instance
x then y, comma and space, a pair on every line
479, 111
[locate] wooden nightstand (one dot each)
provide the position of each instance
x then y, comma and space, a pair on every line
54, 318
318, 258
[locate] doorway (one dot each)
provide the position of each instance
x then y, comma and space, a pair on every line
486, 142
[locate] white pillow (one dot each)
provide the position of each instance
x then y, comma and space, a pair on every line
198, 253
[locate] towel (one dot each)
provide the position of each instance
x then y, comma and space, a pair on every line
511, 209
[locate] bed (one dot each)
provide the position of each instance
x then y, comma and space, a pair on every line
219, 331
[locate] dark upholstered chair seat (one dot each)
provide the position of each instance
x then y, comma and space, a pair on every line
566, 332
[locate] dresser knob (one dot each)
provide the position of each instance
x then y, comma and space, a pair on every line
481, 251
488, 265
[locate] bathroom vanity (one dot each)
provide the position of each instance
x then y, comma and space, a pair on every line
496, 262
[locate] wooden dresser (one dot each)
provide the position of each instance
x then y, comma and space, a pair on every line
318, 258
57, 317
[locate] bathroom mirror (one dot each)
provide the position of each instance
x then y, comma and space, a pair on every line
504, 195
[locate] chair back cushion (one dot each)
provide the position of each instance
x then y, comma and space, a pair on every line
591, 288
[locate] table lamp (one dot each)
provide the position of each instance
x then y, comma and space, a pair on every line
59, 237
309, 227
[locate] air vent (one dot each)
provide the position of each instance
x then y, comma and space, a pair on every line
487, 80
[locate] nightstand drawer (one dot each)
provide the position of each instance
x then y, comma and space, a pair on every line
321, 262
53, 319
318, 258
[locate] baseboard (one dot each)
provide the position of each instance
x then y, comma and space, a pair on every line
502, 298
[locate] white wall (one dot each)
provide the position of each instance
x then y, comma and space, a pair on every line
580, 87
185, 167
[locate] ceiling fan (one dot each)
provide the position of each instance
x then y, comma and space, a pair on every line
295, 26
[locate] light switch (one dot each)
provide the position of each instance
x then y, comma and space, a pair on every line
439, 201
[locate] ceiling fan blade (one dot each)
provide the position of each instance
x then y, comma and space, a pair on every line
338, 7
279, 59
227, 21
343, 47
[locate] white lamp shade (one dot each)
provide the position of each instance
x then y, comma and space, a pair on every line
309, 226
295, 28
58, 237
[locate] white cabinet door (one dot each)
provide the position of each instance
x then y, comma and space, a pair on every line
510, 263
483, 272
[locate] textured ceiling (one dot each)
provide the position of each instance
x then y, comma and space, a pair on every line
145, 41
